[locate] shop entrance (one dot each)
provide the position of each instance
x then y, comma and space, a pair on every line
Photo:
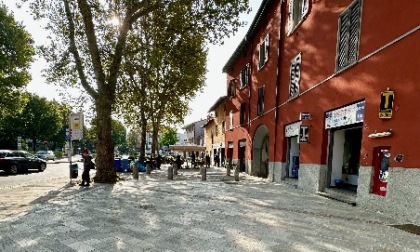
260, 152
292, 162
343, 168
241, 156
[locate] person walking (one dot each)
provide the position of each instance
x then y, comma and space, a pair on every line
87, 161
193, 160
158, 161
207, 160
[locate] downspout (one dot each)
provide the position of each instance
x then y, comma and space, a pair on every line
279, 53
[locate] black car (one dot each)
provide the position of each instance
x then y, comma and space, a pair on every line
20, 161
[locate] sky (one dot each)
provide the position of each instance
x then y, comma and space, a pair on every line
215, 85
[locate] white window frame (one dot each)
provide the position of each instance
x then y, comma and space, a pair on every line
263, 52
346, 40
294, 13
295, 73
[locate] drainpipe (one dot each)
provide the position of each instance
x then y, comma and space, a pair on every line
279, 54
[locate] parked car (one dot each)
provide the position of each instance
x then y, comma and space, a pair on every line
20, 161
46, 155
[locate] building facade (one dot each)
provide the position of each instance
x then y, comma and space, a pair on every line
214, 131
330, 88
195, 132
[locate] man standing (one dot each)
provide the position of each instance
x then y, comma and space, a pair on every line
87, 160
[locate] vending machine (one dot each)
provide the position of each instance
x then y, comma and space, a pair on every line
381, 158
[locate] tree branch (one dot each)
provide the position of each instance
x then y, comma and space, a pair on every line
92, 43
75, 52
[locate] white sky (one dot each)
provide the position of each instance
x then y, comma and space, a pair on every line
215, 79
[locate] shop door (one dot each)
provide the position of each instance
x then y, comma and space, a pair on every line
381, 156
242, 158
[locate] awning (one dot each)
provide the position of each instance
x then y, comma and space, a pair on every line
187, 147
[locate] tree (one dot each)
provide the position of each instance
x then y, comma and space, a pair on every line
169, 137
88, 49
41, 119
16, 54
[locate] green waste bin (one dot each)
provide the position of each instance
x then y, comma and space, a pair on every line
74, 171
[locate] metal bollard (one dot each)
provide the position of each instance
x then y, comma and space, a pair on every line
170, 173
135, 172
203, 172
148, 168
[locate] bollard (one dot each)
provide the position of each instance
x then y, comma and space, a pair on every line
170, 173
203, 172
135, 172
228, 167
237, 173
148, 168
175, 169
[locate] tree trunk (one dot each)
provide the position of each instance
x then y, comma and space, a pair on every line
143, 138
106, 172
155, 144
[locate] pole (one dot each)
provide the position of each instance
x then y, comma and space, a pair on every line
70, 146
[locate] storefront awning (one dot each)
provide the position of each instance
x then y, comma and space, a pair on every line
187, 147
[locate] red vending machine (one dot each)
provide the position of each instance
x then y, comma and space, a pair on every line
381, 158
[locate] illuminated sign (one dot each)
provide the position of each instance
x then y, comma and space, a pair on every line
387, 103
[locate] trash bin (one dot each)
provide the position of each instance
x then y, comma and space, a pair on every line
126, 165
74, 171
118, 165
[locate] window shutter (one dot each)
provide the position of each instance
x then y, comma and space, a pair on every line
242, 114
343, 37
290, 18
305, 8
231, 120
295, 75
354, 32
260, 109
267, 46
348, 35
247, 75
261, 56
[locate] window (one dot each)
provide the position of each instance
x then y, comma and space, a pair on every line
223, 127
263, 57
260, 106
348, 35
231, 120
297, 11
231, 88
295, 76
245, 76
216, 130
242, 114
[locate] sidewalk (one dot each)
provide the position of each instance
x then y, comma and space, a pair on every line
187, 214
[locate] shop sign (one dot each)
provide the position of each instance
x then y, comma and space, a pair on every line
292, 129
305, 116
304, 134
347, 115
76, 125
387, 103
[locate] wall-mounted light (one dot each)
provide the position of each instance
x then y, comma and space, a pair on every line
381, 134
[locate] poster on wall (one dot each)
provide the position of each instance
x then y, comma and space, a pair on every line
347, 115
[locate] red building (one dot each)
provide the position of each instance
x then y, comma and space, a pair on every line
322, 94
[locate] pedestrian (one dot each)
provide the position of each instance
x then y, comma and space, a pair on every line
216, 160
158, 161
193, 160
207, 160
178, 161
87, 162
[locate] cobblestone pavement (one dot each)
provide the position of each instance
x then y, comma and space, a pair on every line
187, 214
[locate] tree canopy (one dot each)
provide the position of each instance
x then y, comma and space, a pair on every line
86, 49
16, 54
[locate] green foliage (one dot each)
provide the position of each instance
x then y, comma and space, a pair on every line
168, 137
38, 119
17, 50
86, 50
